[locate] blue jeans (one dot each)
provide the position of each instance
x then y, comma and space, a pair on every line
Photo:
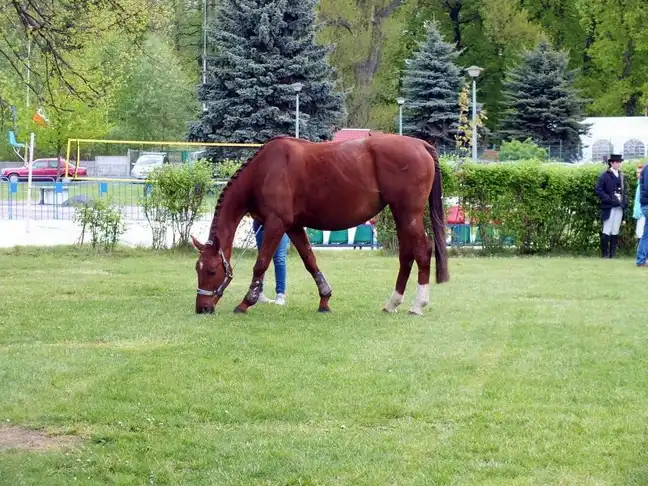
642, 247
279, 258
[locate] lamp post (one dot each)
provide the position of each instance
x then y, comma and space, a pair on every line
401, 102
204, 50
474, 72
297, 87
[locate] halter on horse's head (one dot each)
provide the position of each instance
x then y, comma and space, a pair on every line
214, 275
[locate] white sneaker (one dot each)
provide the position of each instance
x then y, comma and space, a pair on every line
263, 299
280, 299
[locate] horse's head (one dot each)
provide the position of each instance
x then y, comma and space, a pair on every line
214, 275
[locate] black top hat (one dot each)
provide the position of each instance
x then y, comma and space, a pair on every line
615, 158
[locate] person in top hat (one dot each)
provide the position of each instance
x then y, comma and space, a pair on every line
612, 190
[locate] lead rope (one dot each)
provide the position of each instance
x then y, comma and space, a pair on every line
245, 243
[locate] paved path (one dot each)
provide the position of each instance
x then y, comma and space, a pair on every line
41, 232
10, 211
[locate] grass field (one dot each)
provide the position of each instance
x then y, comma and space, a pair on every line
521, 372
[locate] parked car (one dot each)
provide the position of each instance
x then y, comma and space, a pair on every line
44, 170
147, 162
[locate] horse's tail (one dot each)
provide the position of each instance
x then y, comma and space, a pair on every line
437, 217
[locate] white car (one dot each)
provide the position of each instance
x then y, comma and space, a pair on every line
147, 162
196, 156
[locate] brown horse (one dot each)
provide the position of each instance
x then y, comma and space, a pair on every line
291, 183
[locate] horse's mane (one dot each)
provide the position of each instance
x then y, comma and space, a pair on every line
244, 165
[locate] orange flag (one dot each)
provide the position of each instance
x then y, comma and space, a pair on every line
40, 118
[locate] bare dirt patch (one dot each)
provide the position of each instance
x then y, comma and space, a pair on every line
13, 437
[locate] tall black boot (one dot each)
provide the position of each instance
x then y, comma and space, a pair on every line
613, 245
605, 245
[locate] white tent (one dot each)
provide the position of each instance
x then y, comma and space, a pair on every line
626, 135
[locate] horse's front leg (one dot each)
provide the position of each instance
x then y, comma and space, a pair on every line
272, 235
300, 240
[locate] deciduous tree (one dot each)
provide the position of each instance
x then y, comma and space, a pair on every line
41, 40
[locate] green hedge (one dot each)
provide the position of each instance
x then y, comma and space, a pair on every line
542, 208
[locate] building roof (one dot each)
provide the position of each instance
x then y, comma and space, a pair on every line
352, 133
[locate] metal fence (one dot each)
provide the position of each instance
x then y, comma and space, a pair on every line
56, 200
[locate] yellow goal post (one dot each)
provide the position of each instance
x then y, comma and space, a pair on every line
138, 143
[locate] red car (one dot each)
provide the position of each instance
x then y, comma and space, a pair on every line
43, 169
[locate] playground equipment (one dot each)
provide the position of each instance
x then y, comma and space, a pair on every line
16, 146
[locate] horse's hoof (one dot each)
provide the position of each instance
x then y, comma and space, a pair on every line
324, 309
415, 313
389, 311
239, 310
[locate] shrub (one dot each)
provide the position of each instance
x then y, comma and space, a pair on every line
525, 198
544, 208
226, 168
527, 150
103, 221
158, 216
178, 192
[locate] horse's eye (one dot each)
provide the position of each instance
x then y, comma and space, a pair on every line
211, 273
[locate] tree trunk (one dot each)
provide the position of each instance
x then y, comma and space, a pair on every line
365, 71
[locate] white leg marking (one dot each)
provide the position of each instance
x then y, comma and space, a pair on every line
422, 299
395, 300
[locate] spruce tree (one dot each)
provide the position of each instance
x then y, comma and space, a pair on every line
431, 86
541, 102
261, 49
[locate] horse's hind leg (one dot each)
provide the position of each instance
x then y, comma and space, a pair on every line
406, 259
413, 245
299, 238
423, 255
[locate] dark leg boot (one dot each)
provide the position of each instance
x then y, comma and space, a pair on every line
605, 245
613, 245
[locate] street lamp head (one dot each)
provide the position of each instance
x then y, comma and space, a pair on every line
474, 71
400, 101
297, 87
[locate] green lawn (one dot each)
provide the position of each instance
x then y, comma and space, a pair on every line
522, 372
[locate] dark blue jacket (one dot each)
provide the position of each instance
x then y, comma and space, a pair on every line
606, 188
643, 186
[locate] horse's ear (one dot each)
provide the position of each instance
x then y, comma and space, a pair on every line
197, 244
